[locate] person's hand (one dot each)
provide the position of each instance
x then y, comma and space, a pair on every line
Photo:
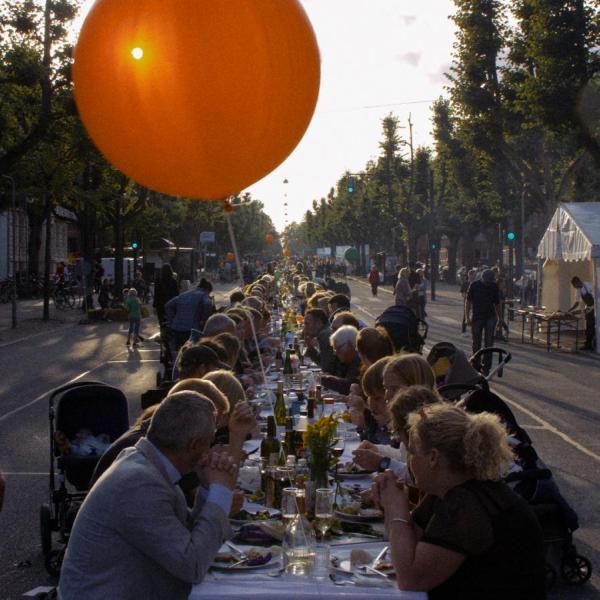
311, 342
358, 417
367, 459
237, 502
366, 445
389, 495
242, 420
220, 468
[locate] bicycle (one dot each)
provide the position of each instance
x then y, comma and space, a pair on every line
63, 297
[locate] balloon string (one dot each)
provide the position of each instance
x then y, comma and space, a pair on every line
241, 276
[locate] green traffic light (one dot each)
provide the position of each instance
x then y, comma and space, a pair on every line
134, 245
350, 189
511, 236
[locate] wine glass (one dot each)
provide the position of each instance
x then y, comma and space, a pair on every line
323, 511
289, 504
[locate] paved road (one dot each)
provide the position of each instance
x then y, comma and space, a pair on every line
555, 396
36, 358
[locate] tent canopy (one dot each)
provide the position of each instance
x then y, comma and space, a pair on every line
573, 233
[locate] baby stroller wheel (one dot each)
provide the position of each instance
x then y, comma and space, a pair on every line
551, 576
54, 561
46, 528
575, 569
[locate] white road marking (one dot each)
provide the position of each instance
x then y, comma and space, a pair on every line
369, 314
549, 427
144, 360
45, 394
542, 423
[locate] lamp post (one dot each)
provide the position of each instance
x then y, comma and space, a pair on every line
14, 249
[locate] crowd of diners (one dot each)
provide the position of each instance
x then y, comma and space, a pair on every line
158, 510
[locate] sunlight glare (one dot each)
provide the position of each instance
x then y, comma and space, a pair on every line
137, 53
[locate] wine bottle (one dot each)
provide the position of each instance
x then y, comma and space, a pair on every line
289, 436
278, 360
279, 408
310, 405
270, 444
287, 364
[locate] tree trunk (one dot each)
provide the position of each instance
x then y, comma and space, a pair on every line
47, 255
452, 256
35, 244
118, 287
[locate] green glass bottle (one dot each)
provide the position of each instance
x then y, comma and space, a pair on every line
279, 408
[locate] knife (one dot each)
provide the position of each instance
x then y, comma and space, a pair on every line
379, 556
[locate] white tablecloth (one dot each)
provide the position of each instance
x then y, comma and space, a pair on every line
241, 585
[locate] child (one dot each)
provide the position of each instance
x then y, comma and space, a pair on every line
134, 310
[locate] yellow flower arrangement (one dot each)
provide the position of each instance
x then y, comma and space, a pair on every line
319, 439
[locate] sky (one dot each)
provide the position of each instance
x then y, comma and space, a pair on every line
378, 56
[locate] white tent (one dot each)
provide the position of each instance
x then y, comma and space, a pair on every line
571, 246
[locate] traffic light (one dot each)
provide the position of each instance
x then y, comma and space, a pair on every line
434, 246
511, 236
135, 245
351, 185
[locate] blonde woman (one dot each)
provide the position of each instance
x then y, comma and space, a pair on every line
399, 373
471, 536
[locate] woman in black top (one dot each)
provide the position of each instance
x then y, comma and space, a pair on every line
471, 537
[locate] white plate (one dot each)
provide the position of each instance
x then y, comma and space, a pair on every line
368, 518
345, 566
274, 562
251, 507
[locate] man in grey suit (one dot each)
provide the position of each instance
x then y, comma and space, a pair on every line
134, 536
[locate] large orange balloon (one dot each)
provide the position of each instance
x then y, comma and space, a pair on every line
196, 98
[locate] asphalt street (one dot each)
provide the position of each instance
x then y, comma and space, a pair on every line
554, 395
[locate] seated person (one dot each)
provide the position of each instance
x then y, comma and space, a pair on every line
232, 347
373, 343
219, 323
337, 303
134, 536
471, 536
316, 336
343, 342
369, 427
399, 373
344, 317
197, 361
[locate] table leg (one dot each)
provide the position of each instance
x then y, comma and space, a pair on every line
558, 334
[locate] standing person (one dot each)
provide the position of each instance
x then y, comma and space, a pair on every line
421, 288
165, 288
374, 279
104, 299
134, 536
585, 299
188, 311
402, 291
134, 311
464, 288
483, 299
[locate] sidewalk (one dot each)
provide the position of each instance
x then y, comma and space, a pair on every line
30, 322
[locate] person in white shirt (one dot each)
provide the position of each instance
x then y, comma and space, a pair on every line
584, 299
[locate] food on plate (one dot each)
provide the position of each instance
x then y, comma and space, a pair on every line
256, 496
360, 557
254, 557
259, 515
260, 533
384, 565
349, 468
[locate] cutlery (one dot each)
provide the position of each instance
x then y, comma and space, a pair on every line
372, 570
379, 556
238, 551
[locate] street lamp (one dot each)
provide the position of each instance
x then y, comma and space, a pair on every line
14, 249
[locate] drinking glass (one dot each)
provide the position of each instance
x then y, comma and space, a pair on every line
323, 510
289, 504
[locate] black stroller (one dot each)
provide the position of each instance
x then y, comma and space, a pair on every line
166, 356
89, 405
532, 480
406, 331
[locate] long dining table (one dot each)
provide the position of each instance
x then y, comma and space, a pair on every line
273, 583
